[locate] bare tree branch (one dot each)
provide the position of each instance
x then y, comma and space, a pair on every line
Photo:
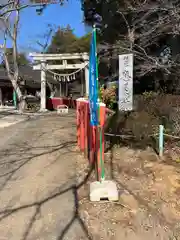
9, 28
141, 26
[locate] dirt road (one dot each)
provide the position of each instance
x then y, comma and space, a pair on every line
37, 177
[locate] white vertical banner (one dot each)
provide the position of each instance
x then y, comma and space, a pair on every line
126, 82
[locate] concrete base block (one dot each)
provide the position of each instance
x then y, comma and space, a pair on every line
105, 190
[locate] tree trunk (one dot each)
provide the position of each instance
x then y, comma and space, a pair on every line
21, 98
22, 105
14, 80
156, 84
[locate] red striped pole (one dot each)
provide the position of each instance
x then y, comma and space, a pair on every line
100, 144
78, 121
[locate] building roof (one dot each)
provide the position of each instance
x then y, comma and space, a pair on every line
32, 77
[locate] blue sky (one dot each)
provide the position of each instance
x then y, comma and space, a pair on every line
33, 26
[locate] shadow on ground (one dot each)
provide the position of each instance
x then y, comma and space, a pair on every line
25, 154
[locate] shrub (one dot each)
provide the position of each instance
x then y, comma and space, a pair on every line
152, 110
108, 96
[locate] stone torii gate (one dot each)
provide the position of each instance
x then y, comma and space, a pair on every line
42, 64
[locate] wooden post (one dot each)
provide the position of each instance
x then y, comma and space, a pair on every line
63, 89
66, 88
60, 89
82, 84
86, 61
87, 80
43, 87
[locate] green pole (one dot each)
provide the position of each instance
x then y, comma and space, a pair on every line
15, 98
99, 127
161, 140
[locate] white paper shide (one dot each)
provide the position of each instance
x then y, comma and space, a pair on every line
126, 82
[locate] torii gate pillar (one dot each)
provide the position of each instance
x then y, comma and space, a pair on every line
86, 60
43, 87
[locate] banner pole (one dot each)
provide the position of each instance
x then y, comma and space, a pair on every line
99, 189
102, 171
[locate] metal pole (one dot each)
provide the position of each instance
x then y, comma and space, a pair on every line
161, 140
15, 99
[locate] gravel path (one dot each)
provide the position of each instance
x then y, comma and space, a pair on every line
38, 199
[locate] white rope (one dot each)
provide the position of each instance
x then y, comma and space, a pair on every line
62, 77
65, 74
